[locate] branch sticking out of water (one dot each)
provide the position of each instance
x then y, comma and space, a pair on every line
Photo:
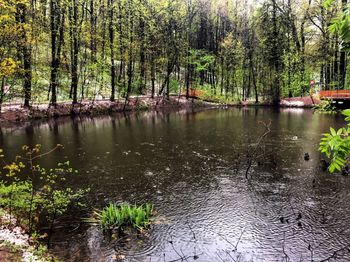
253, 157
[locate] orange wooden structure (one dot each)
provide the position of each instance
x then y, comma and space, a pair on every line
335, 94
193, 93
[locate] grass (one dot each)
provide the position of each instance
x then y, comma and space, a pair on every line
125, 215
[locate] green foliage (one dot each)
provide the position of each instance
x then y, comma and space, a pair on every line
125, 215
336, 145
269, 51
328, 3
174, 86
34, 194
209, 96
341, 25
325, 107
201, 60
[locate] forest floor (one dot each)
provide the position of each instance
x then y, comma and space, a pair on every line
15, 244
13, 113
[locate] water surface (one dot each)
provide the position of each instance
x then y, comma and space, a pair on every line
192, 165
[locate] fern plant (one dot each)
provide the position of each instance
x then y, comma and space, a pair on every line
336, 145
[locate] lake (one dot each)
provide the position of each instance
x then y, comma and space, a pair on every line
191, 166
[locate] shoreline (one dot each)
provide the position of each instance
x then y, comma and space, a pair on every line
16, 244
14, 114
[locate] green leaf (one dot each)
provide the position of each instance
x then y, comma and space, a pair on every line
328, 3
333, 132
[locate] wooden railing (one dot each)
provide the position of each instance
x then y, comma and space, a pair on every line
335, 94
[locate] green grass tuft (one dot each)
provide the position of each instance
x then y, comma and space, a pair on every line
125, 215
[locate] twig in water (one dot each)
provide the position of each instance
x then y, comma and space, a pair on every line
183, 255
283, 248
228, 253
255, 151
194, 235
239, 239
311, 252
172, 245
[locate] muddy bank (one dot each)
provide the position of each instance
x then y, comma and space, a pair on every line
15, 113
297, 102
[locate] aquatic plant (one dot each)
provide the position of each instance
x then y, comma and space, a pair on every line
336, 146
124, 215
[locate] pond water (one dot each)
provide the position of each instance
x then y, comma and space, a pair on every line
192, 165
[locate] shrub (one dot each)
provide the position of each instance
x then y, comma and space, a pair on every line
34, 202
336, 145
325, 107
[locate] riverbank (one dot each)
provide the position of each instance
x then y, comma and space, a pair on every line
302, 102
16, 245
297, 102
15, 113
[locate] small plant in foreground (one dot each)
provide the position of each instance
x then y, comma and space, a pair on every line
325, 107
33, 194
119, 216
336, 146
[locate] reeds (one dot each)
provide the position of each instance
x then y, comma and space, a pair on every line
118, 216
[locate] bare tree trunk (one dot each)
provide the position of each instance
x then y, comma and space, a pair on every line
111, 46
26, 53
2, 90
93, 20
142, 55
130, 57
74, 51
57, 17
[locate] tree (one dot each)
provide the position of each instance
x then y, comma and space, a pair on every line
57, 18
259, 52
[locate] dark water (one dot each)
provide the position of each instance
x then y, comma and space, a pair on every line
191, 166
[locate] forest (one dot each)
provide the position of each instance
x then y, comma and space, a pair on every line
238, 50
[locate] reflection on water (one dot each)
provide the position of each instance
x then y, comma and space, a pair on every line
191, 165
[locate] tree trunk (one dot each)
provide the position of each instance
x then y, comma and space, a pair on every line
57, 16
2, 90
142, 55
74, 51
25, 53
111, 46
342, 60
93, 20
130, 55
276, 59
153, 76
